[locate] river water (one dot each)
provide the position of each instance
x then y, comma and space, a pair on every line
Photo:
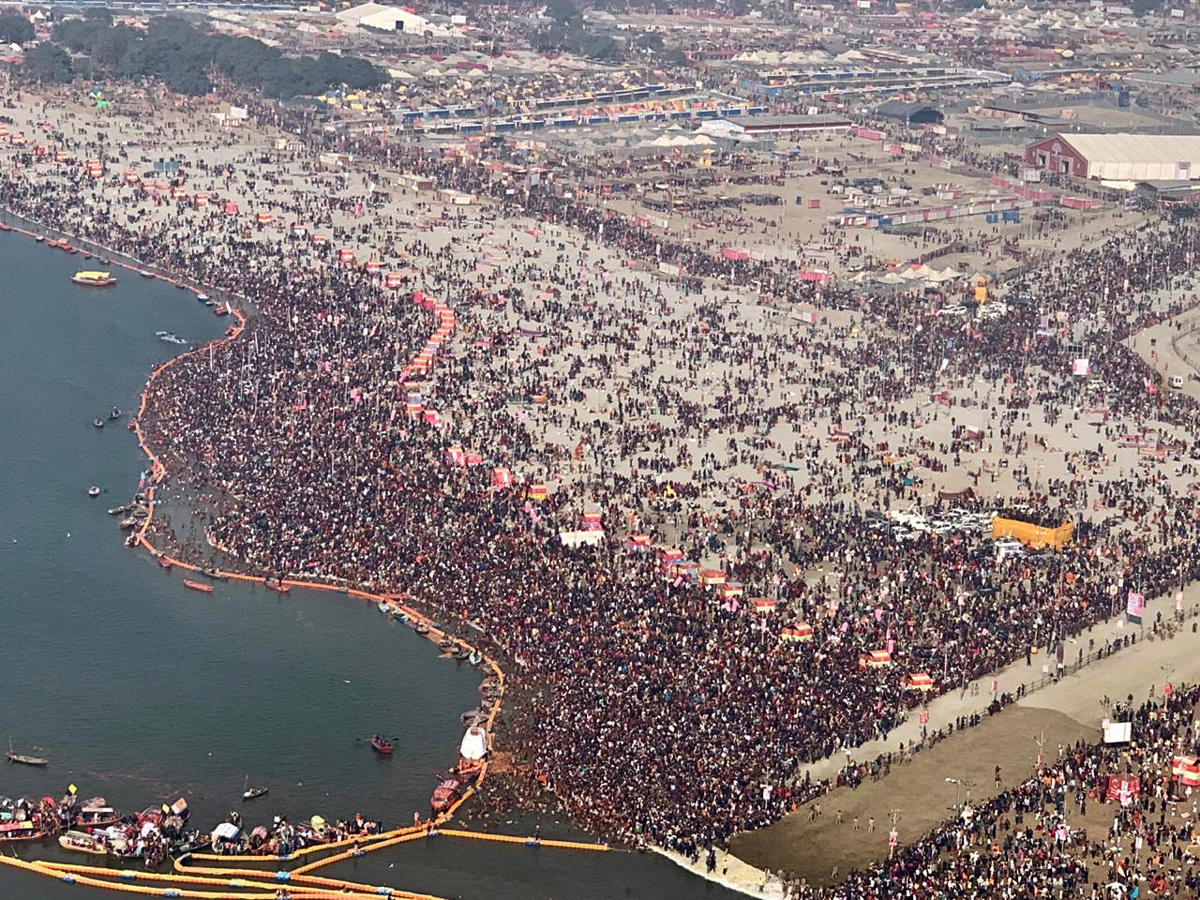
142, 691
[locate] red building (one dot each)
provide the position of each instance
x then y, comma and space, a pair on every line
1054, 154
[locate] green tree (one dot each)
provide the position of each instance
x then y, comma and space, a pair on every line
15, 28
562, 10
650, 40
48, 64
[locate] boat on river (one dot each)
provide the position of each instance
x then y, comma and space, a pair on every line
251, 793
12, 832
81, 842
198, 586
382, 745
24, 759
276, 585
94, 279
96, 813
445, 795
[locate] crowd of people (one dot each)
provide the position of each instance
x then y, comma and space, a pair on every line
1032, 839
658, 712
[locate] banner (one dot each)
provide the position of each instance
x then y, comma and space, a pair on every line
1135, 607
1123, 788
1187, 770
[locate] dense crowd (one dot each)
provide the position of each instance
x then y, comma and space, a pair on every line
657, 713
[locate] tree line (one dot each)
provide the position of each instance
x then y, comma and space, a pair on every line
185, 59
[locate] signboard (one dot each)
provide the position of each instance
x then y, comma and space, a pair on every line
1134, 608
1118, 732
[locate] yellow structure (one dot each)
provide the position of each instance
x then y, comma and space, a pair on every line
1035, 536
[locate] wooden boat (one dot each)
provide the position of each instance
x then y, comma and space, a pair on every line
11, 832
82, 843
276, 585
445, 795
214, 574
24, 759
251, 793
381, 745
164, 562
198, 586
27, 760
97, 814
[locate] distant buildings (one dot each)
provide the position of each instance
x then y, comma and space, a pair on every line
773, 126
910, 113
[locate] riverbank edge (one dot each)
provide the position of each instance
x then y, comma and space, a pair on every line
159, 472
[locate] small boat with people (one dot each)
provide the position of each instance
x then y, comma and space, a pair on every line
383, 608
214, 574
276, 584
94, 279
118, 510
253, 793
171, 337
97, 423
25, 830
82, 842
198, 586
382, 745
24, 759
114, 414
96, 813
94, 491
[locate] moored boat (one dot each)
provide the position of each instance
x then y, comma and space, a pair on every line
11, 832
198, 586
445, 795
276, 585
97, 814
164, 562
81, 842
94, 279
